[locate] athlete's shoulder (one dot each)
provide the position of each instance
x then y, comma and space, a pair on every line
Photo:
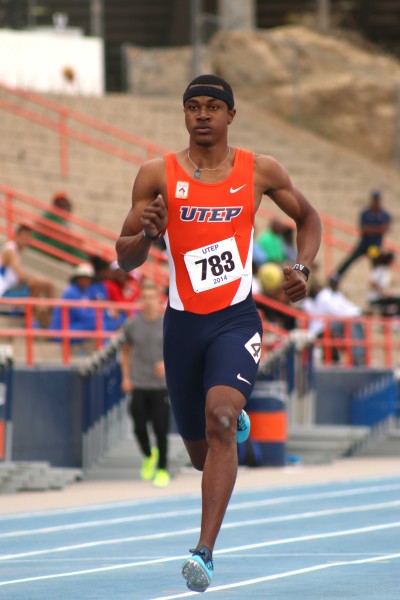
265, 161
269, 172
154, 165
150, 178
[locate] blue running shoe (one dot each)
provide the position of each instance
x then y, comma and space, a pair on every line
243, 427
198, 570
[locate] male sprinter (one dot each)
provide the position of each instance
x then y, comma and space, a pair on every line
202, 200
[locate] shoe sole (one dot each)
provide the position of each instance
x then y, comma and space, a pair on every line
196, 577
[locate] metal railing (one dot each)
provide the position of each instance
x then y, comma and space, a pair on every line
332, 228
17, 207
59, 121
379, 344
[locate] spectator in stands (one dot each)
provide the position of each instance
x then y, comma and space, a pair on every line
83, 318
143, 377
271, 244
112, 283
62, 202
122, 286
374, 224
267, 281
330, 302
15, 282
102, 273
380, 295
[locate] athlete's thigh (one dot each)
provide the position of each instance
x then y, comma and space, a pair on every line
184, 367
233, 357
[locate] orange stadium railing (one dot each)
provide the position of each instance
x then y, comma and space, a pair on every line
19, 208
60, 125
380, 343
333, 229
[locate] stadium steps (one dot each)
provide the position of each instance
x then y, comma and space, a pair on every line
311, 445
35, 476
386, 443
124, 460
322, 444
336, 180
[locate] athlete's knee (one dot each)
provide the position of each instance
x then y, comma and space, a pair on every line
220, 423
222, 410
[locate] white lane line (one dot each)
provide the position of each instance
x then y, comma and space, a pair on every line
188, 512
98, 507
303, 538
168, 499
183, 532
321, 567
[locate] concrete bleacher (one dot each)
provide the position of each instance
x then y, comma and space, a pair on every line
335, 180
34, 476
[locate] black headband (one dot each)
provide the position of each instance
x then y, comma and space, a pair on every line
209, 90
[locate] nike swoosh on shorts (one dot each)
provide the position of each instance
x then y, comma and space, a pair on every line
242, 378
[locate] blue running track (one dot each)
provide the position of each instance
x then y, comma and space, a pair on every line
319, 542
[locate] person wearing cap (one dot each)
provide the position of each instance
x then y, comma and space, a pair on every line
202, 200
374, 223
82, 318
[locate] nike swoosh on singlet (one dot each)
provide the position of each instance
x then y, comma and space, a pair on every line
234, 190
242, 378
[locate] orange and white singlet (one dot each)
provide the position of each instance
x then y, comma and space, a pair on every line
209, 237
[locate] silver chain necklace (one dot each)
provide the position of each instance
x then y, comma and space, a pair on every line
197, 172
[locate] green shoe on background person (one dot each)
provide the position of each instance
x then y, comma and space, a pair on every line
161, 478
149, 465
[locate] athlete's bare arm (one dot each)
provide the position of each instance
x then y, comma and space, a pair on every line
148, 213
272, 179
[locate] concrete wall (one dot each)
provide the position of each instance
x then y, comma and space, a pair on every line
47, 416
334, 390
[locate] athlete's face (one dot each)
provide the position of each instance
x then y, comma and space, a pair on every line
207, 119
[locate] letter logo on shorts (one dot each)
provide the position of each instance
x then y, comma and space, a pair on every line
254, 347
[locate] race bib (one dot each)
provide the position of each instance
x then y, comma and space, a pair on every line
214, 265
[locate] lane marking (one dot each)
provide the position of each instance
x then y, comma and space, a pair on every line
286, 574
196, 511
97, 507
183, 532
303, 538
166, 499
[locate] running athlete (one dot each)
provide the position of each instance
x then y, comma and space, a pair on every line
202, 200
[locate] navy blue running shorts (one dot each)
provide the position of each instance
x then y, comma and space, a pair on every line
202, 351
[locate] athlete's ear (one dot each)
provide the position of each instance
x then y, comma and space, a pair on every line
231, 115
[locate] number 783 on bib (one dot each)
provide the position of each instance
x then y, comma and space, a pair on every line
214, 265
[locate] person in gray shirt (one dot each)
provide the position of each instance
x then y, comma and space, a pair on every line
143, 377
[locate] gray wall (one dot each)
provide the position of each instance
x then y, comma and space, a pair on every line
334, 390
47, 416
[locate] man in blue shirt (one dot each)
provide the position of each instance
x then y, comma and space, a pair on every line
374, 223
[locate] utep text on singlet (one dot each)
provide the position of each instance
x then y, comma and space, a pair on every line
209, 237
